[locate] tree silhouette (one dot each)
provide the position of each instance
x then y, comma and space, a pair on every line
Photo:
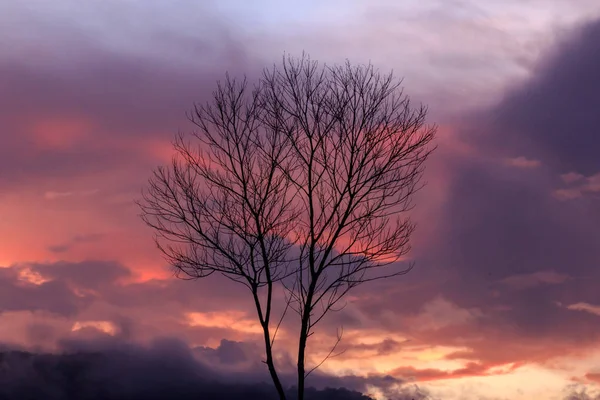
301, 181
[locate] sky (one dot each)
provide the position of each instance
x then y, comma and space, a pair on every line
503, 301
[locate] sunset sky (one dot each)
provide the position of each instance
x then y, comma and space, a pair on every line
503, 302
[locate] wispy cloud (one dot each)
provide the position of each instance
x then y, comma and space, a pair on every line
590, 308
525, 281
54, 195
522, 162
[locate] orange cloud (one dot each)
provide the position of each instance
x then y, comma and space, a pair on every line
235, 320
471, 369
27, 275
103, 326
593, 376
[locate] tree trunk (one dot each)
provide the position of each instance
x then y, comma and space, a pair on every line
271, 365
302, 346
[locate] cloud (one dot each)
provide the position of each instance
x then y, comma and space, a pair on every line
84, 275
102, 326
85, 107
567, 194
56, 195
50, 296
503, 244
132, 102
590, 308
60, 288
98, 300
75, 240
543, 116
505, 227
51, 195
571, 177
165, 368
580, 392
228, 353
593, 376
498, 250
578, 186
525, 281
439, 313
522, 162
471, 369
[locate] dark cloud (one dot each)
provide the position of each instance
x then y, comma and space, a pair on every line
59, 248
504, 230
242, 360
84, 275
554, 116
503, 223
204, 295
39, 333
56, 287
228, 352
510, 255
580, 392
165, 369
77, 239
55, 297
386, 346
90, 296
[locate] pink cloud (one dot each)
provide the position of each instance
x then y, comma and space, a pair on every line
522, 162
590, 308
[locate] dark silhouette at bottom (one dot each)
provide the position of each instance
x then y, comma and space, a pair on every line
112, 375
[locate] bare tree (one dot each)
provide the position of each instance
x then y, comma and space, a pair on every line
302, 181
